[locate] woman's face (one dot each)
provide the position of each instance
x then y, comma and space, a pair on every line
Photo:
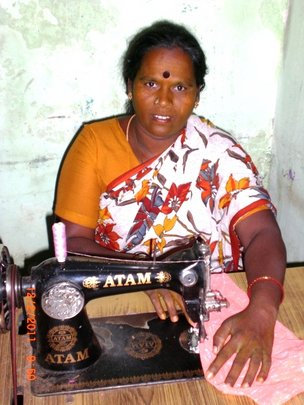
164, 92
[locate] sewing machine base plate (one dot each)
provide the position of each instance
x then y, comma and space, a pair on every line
137, 350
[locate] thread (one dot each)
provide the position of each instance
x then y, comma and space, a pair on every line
59, 240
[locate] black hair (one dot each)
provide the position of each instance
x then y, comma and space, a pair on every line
162, 34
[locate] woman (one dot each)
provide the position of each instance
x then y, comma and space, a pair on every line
146, 182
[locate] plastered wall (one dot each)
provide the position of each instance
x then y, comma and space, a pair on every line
286, 175
60, 66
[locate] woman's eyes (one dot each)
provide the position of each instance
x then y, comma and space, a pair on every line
150, 84
178, 87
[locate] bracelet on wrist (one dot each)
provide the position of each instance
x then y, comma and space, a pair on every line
265, 278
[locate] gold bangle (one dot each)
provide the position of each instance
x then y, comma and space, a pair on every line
265, 278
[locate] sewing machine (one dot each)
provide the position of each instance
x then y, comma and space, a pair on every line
67, 345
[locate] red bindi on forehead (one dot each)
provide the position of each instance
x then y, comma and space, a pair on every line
168, 64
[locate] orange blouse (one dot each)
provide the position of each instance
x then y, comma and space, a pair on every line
99, 154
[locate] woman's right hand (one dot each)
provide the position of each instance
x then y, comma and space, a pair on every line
165, 300
81, 239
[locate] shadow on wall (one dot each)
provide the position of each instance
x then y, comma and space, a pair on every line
45, 254
39, 257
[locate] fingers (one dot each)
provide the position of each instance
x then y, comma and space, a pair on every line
167, 296
163, 300
254, 365
263, 374
160, 298
221, 335
224, 355
180, 302
241, 359
250, 349
255, 361
154, 297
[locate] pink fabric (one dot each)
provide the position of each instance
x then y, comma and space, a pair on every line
286, 378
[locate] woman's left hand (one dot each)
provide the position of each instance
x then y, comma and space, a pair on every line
248, 335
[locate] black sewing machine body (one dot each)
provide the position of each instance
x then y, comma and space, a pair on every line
56, 294
65, 340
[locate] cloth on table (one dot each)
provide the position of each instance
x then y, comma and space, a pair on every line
286, 377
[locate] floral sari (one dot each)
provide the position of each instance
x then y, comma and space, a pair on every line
201, 186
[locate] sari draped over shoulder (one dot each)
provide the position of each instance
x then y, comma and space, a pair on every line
202, 185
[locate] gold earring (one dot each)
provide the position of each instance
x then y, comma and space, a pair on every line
196, 104
130, 95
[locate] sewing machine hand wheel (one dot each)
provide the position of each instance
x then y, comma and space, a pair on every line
8, 303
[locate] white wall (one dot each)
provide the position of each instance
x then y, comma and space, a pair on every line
59, 66
286, 178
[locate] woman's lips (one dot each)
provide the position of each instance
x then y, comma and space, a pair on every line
161, 118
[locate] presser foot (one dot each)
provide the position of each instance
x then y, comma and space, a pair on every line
190, 339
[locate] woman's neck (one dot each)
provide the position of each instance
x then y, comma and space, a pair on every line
143, 144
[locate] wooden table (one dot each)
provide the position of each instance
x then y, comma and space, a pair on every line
190, 393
